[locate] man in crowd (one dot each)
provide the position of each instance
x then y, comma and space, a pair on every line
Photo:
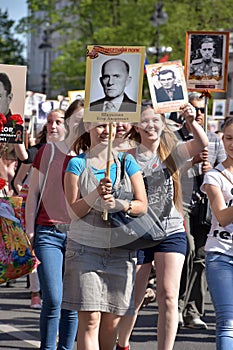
114, 79
193, 282
169, 90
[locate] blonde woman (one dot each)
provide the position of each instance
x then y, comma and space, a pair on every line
160, 156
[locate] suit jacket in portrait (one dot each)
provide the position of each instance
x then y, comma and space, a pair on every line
127, 105
162, 96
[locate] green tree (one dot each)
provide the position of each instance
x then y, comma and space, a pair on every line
119, 22
10, 47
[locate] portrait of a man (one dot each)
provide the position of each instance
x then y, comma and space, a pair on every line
6, 96
44, 108
207, 64
219, 108
169, 90
115, 77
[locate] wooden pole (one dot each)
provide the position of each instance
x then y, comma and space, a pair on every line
206, 113
109, 156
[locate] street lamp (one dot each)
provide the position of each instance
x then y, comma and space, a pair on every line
158, 18
45, 46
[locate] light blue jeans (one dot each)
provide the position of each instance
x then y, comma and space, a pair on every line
50, 247
219, 274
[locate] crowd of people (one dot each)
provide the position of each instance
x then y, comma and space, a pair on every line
92, 291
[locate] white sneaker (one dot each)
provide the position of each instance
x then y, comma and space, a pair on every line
180, 319
196, 323
35, 303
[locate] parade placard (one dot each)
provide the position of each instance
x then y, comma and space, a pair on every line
12, 91
206, 60
113, 84
76, 95
167, 86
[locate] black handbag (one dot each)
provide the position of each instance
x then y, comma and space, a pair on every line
204, 212
131, 232
202, 209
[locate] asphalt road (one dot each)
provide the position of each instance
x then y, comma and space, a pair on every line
19, 325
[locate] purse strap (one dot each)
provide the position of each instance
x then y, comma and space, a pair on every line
45, 177
224, 175
123, 160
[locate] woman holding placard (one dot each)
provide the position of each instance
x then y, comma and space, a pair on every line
99, 277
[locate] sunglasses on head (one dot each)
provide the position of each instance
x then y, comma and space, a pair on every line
201, 109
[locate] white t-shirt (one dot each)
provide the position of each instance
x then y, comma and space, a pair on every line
220, 239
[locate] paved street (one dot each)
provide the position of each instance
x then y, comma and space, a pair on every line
19, 325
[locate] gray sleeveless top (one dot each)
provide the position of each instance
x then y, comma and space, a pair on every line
92, 230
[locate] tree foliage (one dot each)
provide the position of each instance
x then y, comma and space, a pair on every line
10, 47
119, 22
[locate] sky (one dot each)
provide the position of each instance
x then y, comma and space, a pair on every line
17, 9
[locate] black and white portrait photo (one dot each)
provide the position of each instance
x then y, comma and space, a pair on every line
44, 108
205, 60
168, 90
12, 99
229, 108
219, 109
114, 81
167, 86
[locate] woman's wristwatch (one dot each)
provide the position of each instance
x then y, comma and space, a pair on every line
128, 212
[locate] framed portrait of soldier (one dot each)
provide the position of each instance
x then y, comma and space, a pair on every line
219, 109
167, 86
113, 83
206, 60
229, 107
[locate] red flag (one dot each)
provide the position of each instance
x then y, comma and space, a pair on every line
164, 58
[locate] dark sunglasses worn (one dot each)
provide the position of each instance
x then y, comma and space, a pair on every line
201, 109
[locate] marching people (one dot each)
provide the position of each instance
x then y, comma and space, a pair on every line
54, 130
99, 277
161, 156
47, 229
193, 284
218, 183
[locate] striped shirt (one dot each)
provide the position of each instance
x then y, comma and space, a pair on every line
191, 177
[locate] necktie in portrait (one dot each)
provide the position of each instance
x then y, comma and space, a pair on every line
109, 107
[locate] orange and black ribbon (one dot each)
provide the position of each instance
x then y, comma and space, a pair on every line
206, 93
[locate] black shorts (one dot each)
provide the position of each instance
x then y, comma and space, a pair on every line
175, 243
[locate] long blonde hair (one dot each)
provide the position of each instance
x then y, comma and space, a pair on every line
168, 142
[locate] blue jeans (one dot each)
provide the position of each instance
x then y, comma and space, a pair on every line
50, 247
219, 274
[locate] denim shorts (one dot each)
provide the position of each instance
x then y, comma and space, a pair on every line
175, 243
98, 279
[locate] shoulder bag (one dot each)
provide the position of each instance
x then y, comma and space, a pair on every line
16, 255
131, 232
